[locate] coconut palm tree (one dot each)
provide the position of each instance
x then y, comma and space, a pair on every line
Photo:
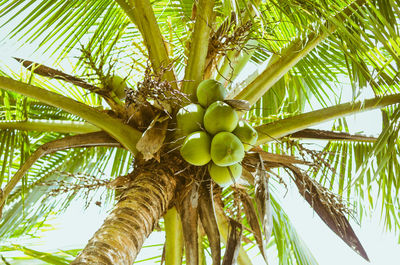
65, 120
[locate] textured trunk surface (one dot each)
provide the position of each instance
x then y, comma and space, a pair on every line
133, 218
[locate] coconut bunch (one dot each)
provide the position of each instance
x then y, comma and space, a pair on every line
214, 134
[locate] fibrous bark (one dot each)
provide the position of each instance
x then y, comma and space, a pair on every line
133, 218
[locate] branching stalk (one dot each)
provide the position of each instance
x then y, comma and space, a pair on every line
125, 134
278, 129
49, 126
198, 46
82, 140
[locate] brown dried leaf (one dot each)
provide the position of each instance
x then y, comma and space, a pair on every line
153, 138
140, 115
263, 201
281, 159
327, 206
233, 243
188, 211
252, 219
246, 175
329, 135
194, 11
209, 221
163, 256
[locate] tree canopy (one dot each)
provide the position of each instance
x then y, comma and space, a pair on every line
286, 65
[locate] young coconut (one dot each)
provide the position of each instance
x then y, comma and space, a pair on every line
189, 119
220, 117
226, 149
118, 85
247, 134
196, 148
209, 91
224, 176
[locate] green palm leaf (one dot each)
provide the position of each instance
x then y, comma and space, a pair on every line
307, 55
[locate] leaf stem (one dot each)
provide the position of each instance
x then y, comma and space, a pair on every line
146, 21
279, 65
49, 126
198, 46
278, 129
123, 133
127, 8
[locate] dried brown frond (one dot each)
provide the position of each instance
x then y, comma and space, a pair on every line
253, 219
233, 242
329, 207
46, 71
209, 220
330, 135
257, 155
310, 187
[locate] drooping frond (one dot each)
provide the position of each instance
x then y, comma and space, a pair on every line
307, 55
58, 258
64, 25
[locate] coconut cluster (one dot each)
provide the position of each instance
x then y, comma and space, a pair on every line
214, 135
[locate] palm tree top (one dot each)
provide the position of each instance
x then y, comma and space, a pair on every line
139, 62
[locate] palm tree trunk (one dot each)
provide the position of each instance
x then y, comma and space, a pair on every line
133, 218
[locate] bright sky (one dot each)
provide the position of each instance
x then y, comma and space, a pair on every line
75, 227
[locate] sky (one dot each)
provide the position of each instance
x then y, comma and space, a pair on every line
76, 226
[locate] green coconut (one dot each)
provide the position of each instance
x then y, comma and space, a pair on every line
190, 119
226, 149
209, 91
247, 134
220, 117
196, 148
118, 85
224, 176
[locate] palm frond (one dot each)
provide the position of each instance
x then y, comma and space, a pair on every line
62, 25
90, 114
31, 255
291, 249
